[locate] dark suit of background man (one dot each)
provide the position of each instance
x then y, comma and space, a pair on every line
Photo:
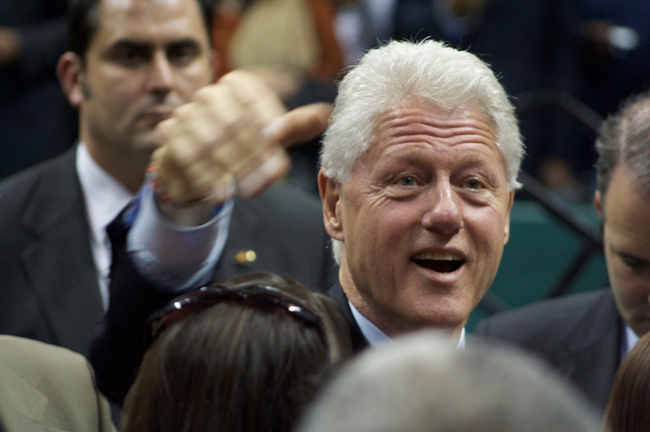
126, 73
585, 336
415, 190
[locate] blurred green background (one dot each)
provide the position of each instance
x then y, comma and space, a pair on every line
539, 251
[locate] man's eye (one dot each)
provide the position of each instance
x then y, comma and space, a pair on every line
130, 57
406, 181
473, 184
182, 54
634, 263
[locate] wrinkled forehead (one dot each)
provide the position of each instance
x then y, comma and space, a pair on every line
443, 116
422, 121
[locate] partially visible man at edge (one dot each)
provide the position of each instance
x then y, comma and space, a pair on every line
131, 64
585, 336
420, 165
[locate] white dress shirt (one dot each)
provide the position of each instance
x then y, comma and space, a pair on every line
105, 197
629, 340
172, 256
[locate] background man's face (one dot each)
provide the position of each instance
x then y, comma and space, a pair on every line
424, 218
626, 236
147, 57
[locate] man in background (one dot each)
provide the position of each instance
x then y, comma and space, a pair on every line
585, 336
130, 65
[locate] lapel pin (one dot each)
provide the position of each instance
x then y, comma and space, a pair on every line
245, 257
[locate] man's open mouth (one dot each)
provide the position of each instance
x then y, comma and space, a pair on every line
439, 262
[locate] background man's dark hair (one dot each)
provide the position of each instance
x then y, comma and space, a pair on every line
625, 138
83, 22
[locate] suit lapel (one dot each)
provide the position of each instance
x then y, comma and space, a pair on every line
594, 355
242, 236
359, 341
21, 405
56, 218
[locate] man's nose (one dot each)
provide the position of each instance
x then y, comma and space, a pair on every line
161, 76
444, 213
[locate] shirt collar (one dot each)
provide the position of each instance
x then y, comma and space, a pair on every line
630, 339
377, 337
105, 197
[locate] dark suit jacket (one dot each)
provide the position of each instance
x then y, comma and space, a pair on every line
48, 278
579, 335
283, 226
359, 341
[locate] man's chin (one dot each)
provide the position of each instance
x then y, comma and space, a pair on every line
432, 317
444, 317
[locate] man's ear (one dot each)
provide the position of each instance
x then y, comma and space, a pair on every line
598, 204
506, 232
70, 73
330, 196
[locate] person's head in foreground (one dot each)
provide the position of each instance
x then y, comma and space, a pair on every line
422, 383
623, 203
419, 168
629, 404
246, 355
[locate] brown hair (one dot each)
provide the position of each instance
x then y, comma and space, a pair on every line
234, 367
628, 409
624, 138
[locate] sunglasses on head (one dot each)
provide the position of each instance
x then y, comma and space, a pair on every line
258, 296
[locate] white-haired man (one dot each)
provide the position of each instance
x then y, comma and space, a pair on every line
585, 336
419, 168
419, 171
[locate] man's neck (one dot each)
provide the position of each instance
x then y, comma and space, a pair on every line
375, 336
387, 326
129, 170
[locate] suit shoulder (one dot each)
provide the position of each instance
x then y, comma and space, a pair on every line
64, 378
38, 359
288, 204
48, 168
289, 197
19, 187
546, 317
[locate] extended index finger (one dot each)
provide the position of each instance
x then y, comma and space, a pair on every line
301, 124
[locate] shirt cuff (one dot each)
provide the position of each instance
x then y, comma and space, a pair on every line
172, 256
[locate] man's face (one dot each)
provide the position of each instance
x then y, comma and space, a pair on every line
147, 57
424, 219
626, 237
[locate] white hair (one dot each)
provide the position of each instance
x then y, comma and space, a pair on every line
429, 71
423, 383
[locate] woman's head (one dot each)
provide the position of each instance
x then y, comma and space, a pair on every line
627, 410
247, 362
